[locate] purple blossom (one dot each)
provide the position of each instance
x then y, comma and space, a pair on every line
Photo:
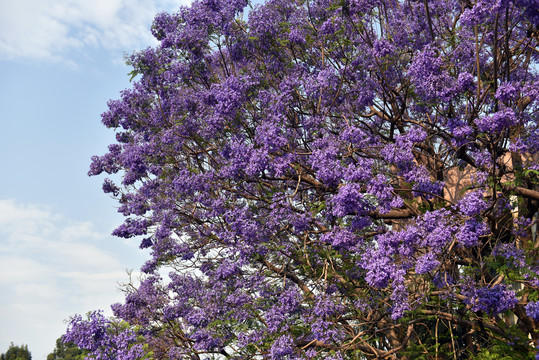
349, 201
442, 280
110, 188
282, 347
379, 268
473, 203
323, 330
465, 81
532, 310
514, 256
137, 303
522, 226
426, 263
277, 315
497, 122
325, 160
428, 75
493, 300
359, 172
297, 36
380, 188
398, 153
131, 227
269, 134
341, 238
437, 229
383, 48
469, 234
480, 12
99, 337
507, 92
400, 302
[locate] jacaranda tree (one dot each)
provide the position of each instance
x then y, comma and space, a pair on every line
329, 179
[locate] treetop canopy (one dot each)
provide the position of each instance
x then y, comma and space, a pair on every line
329, 179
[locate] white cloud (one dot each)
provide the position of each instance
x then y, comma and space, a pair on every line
52, 267
49, 29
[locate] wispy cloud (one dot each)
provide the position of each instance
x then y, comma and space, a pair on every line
51, 268
48, 30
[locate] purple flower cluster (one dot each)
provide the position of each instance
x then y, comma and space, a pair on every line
515, 257
282, 348
497, 122
507, 93
349, 201
277, 315
103, 339
532, 310
426, 263
137, 303
342, 238
469, 234
432, 82
494, 300
472, 203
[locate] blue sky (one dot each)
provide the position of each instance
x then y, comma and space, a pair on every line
60, 61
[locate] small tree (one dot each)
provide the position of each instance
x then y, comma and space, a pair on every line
329, 179
66, 351
16, 353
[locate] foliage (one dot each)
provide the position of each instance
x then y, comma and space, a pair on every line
329, 179
16, 353
66, 351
